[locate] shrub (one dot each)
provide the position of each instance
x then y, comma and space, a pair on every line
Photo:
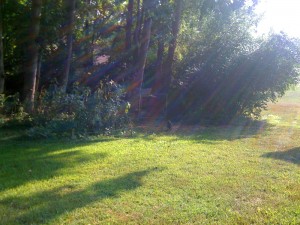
235, 84
81, 112
12, 112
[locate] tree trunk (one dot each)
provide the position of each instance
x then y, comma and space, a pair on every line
31, 64
139, 76
88, 63
38, 72
128, 25
137, 31
173, 43
70, 9
158, 67
2, 75
136, 87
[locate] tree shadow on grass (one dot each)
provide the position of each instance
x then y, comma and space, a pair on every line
233, 131
48, 205
291, 155
212, 134
23, 160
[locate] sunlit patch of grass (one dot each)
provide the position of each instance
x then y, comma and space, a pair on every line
272, 119
219, 175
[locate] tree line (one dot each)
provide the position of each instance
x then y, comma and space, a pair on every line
200, 60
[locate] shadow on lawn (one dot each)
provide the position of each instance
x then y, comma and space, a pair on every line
23, 160
211, 134
291, 155
46, 206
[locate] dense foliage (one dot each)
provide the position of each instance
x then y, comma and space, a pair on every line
81, 112
200, 59
241, 83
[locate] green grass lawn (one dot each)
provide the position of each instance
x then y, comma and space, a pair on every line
222, 175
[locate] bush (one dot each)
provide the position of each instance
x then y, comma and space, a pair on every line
81, 112
237, 84
12, 112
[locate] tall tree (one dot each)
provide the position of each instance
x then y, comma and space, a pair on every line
145, 40
129, 21
158, 66
137, 30
173, 43
2, 75
162, 31
31, 64
88, 37
70, 10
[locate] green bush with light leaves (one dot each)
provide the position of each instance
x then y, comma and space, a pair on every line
81, 112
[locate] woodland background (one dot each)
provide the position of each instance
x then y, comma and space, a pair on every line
94, 66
